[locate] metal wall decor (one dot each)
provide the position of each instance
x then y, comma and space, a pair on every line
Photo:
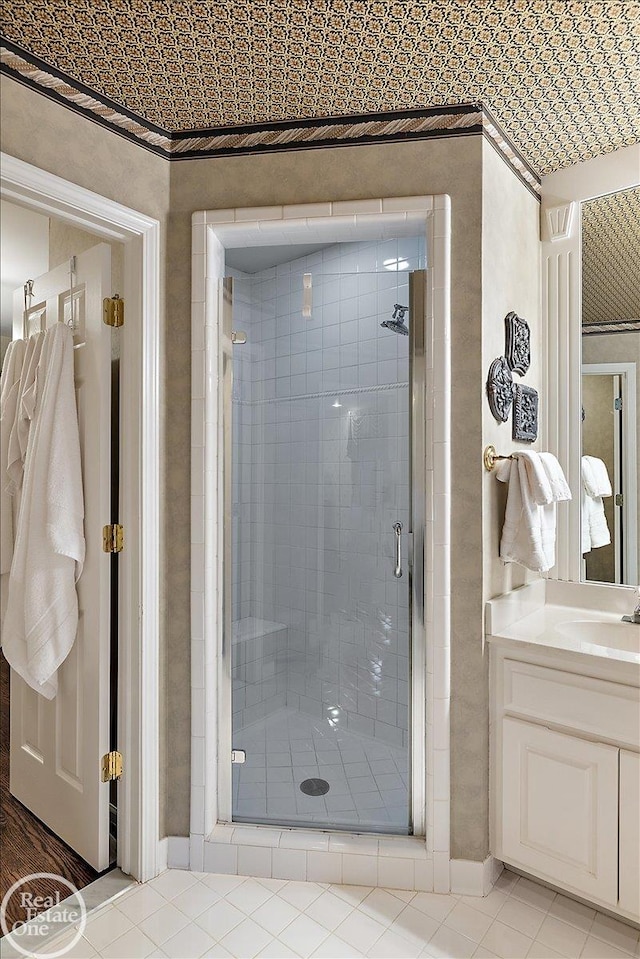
525, 413
500, 389
517, 343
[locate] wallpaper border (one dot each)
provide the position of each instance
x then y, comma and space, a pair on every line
316, 133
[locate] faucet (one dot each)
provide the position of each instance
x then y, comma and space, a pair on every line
635, 615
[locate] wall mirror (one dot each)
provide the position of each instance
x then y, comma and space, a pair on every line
610, 382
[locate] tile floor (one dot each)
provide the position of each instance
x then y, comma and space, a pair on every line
367, 778
184, 915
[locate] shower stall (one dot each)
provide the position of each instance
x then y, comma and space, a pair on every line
323, 385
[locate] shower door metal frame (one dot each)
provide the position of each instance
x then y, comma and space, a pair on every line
417, 746
417, 480
225, 545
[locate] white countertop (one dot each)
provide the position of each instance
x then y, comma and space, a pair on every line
524, 616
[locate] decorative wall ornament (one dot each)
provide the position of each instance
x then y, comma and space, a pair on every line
500, 389
517, 343
525, 413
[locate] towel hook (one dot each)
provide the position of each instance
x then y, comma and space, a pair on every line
490, 457
28, 292
72, 274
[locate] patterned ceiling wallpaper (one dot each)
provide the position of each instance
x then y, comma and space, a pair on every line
611, 258
561, 77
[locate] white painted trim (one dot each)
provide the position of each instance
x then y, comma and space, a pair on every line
351, 220
163, 853
138, 720
562, 312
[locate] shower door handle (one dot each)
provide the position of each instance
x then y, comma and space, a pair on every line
397, 528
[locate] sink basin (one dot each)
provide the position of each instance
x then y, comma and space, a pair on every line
616, 635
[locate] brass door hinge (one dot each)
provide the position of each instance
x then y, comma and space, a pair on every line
619, 499
113, 310
111, 766
113, 538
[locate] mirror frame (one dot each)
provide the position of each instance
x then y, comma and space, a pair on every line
563, 193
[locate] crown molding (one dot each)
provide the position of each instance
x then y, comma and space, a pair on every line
305, 134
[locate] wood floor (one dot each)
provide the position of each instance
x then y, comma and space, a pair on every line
27, 845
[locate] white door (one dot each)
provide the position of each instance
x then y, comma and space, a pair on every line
560, 808
57, 745
630, 832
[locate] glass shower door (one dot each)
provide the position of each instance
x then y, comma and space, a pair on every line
319, 528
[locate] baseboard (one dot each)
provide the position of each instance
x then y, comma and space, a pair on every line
177, 854
163, 854
468, 877
472, 878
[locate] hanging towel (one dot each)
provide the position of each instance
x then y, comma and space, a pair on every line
529, 531
9, 386
19, 435
537, 478
28, 396
595, 485
595, 476
595, 531
42, 613
559, 487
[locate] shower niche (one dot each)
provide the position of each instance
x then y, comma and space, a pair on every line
322, 594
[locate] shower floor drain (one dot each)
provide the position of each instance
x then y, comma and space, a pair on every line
314, 787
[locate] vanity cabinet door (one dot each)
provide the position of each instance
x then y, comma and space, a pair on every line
630, 832
560, 808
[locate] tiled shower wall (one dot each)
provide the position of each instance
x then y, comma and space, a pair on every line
320, 476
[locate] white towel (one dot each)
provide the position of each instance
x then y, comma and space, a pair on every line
9, 386
42, 613
537, 478
595, 485
559, 487
528, 534
595, 531
595, 476
19, 438
29, 395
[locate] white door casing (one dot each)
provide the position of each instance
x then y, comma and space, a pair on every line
140, 851
560, 808
57, 745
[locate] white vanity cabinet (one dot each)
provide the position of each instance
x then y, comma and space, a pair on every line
566, 773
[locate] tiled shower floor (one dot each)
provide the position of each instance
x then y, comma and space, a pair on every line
368, 779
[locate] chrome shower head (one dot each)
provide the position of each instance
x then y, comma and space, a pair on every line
396, 324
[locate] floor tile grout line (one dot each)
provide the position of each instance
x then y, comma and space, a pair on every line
381, 918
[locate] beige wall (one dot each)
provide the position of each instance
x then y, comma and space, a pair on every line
95, 158
436, 166
49, 136
510, 281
